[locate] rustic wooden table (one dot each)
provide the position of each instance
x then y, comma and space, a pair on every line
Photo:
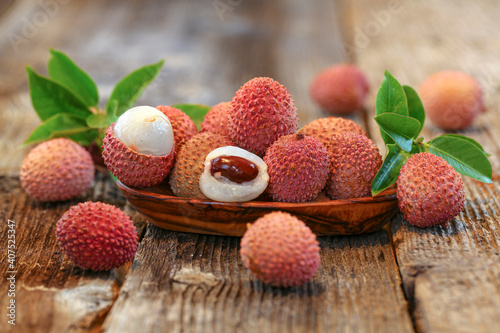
401, 279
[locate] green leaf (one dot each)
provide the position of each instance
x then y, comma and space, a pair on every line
112, 110
50, 98
128, 90
463, 155
195, 111
64, 71
391, 98
59, 125
474, 142
389, 171
415, 106
401, 129
99, 120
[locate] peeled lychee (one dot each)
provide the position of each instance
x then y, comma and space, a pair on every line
430, 192
355, 160
217, 119
261, 111
233, 174
57, 170
298, 167
452, 99
184, 128
340, 89
97, 236
190, 164
279, 249
139, 148
324, 128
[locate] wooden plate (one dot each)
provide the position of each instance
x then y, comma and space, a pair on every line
323, 216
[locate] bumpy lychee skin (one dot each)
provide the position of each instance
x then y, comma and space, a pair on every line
261, 111
355, 160
324, 128
280, 250
217, 119
452, 99
183, 126
298, 168
57, 170
429, 191
140, 150
340, 89
190, 164
97, 236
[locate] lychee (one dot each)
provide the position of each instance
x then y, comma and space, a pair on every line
97, 236
452, 99
279, 249
261, 111
184, 128
233, 174
56, 170
324, 128
429, 191
190, 164
340, 89
139, 148
298, 167
217, 119
355, 160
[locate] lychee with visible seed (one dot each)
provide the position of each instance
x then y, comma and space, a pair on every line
97, 236
261, 111
183, 126
355, 160
217, 119
324, 128
280, 250
139, 148
233, 174
452, 99
57, 170
298, 167
340, 89
429, 190
190, 164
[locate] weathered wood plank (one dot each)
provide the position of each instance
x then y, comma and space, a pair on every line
197, 283
393, 35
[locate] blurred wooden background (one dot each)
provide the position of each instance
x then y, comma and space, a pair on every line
402, 279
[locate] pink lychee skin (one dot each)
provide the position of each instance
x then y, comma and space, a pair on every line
340, 89
57, 170
261, 111
97, 236
131, 167
217, 119
279, 249
429, 191
452, 99
183, 127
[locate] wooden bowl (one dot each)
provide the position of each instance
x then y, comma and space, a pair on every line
323, 216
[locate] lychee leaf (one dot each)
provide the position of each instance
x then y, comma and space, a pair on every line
64, 71
463, 155
389, 171
401, 129
60, 125
195, 111
391, 98
474, 142
50, 98
99, 120
128, 90
415, 106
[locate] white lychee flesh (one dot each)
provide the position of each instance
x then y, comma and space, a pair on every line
145, 130
219, 188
